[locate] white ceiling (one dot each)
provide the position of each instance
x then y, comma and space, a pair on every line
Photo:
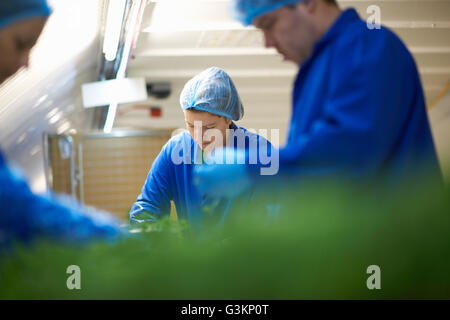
180, 38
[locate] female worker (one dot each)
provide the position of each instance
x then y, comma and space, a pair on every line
210, 103
24, 215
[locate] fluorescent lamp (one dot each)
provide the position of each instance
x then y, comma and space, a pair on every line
114, 22
103, 93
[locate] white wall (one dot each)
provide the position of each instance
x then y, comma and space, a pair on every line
439, 117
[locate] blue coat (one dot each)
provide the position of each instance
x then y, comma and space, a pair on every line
358, 108
168, 181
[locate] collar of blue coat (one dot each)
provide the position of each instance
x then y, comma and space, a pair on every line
347, 16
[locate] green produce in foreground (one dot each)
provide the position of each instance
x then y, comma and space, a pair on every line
319, 246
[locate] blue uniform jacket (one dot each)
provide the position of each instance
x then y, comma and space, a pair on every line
358, 108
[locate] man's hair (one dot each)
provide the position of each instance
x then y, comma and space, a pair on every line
326, 1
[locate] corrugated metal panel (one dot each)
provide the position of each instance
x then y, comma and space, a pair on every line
111, 169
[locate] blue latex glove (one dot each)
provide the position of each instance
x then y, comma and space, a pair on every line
223, 175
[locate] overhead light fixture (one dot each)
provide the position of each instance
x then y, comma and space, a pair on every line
114, 22
194, 15
115, 91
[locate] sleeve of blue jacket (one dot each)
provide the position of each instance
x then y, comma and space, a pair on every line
156, 194
26, 216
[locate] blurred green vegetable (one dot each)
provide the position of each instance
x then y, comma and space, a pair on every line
318, 246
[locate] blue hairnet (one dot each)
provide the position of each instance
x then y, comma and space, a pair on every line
247, 10
213, 91
16, 10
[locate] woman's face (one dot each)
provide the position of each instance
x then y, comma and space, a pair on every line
204, 128
16, 41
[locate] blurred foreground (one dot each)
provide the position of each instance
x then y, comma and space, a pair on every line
318, 246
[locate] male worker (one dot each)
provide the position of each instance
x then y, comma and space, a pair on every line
358, 108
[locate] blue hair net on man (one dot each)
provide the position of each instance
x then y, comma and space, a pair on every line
213, 91
247, 10
12, 11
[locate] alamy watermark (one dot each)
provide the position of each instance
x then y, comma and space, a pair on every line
374, 280
374, 19
74, 280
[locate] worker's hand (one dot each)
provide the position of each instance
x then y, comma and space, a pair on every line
224, 174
